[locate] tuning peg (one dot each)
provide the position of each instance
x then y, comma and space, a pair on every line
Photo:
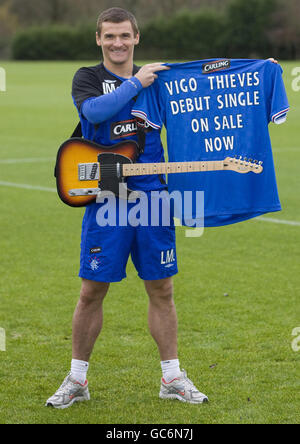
260, 162
250, 160
245, 159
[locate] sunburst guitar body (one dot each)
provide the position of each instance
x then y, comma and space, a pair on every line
78, 166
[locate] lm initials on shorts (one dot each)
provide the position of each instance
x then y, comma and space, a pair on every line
167, 258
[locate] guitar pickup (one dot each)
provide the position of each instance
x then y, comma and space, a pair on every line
89, 171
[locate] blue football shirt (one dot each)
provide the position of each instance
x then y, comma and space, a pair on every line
213, 109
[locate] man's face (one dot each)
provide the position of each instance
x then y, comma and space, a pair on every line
117, 41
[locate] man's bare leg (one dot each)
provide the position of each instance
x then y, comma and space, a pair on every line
162, 317
88, 318
87, 325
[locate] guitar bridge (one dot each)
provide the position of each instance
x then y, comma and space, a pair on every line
84, 192
89, 171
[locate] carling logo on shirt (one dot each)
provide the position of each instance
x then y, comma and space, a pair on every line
123, 129
126, 128
219, 65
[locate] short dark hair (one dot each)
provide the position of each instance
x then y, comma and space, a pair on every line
117, 15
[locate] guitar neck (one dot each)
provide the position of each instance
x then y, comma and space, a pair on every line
141, 169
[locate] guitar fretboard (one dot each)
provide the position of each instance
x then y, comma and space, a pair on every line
141, 169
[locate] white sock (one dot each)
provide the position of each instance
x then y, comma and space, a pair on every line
79, 370
170, 369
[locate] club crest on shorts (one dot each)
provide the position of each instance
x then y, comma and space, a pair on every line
94, 263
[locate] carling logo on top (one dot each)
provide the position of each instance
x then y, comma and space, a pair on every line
218, 65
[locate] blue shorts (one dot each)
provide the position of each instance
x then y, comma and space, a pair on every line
105, 249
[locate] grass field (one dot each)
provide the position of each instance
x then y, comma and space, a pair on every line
236, 348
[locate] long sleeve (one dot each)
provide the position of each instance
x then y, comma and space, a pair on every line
99, 109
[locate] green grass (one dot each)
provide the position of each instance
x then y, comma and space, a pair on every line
236, 348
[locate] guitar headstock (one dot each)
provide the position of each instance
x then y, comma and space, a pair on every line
243, 165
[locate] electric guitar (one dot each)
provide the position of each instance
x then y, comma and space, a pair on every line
85, 170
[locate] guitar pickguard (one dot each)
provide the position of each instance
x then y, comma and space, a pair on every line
111, 171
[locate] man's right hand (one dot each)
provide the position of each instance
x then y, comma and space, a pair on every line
146, 74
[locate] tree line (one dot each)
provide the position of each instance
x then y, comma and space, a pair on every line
64, 29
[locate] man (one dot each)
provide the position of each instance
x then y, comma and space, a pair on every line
104, 96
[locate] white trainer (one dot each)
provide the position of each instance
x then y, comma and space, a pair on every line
69, 392
183, 389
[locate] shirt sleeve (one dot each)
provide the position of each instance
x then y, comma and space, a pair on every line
148, 107
95, 106
84, 86
279, 105
99, 109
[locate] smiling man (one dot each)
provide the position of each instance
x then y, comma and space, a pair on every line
117, 41
104, 96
